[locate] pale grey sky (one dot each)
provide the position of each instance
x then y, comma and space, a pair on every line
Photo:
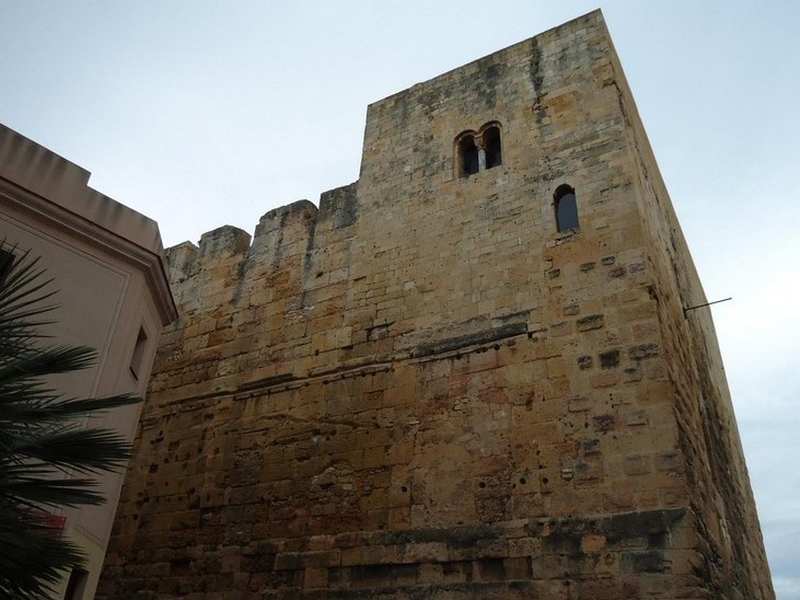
201, 113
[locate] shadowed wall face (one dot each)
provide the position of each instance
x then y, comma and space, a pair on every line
428, 386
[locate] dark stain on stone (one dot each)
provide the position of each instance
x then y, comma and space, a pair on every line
610, 359
480, 337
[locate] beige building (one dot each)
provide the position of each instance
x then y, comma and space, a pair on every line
106, 261
470, 374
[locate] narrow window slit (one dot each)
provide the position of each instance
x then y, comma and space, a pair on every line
138, 353
469, 156
566, 208
491, 142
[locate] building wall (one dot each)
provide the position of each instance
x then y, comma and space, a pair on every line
105, 262
424, 388
720, 496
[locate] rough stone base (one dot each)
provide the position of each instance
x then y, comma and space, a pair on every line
632, 555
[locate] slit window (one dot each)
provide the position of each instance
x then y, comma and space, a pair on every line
76, 584
138, 353
468, 152
566, 208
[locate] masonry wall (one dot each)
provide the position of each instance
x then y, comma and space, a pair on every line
422, 388
720, 493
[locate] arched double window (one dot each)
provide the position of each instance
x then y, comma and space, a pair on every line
478, 151
566, 208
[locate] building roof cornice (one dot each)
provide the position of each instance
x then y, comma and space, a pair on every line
37, 181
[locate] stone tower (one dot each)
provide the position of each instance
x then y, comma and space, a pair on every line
470, 374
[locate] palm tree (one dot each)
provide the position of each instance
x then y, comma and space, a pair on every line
47, 455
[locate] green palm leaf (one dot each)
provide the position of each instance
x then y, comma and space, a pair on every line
47, 453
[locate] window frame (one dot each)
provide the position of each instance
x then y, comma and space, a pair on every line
486, 158
565, 208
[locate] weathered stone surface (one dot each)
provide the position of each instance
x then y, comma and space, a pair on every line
424, 390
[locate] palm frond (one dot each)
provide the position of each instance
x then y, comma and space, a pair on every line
47, 454
83, 450
22, 294
52, 407
33, 556
36, 362
38, 492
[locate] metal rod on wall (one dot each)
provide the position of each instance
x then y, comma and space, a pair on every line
687, 309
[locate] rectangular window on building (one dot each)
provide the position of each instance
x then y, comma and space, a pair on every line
138, 353
76, 585
6, 261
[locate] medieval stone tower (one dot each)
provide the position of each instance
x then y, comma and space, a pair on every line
469, 374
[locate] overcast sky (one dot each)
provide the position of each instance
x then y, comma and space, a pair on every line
201, 113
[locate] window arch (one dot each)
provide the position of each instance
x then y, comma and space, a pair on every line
491, 142
476, 152
468, 159
566, 208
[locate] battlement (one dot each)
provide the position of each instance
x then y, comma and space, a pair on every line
468, 373
338, 210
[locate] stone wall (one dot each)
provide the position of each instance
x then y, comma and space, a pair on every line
423, 389
720, 493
